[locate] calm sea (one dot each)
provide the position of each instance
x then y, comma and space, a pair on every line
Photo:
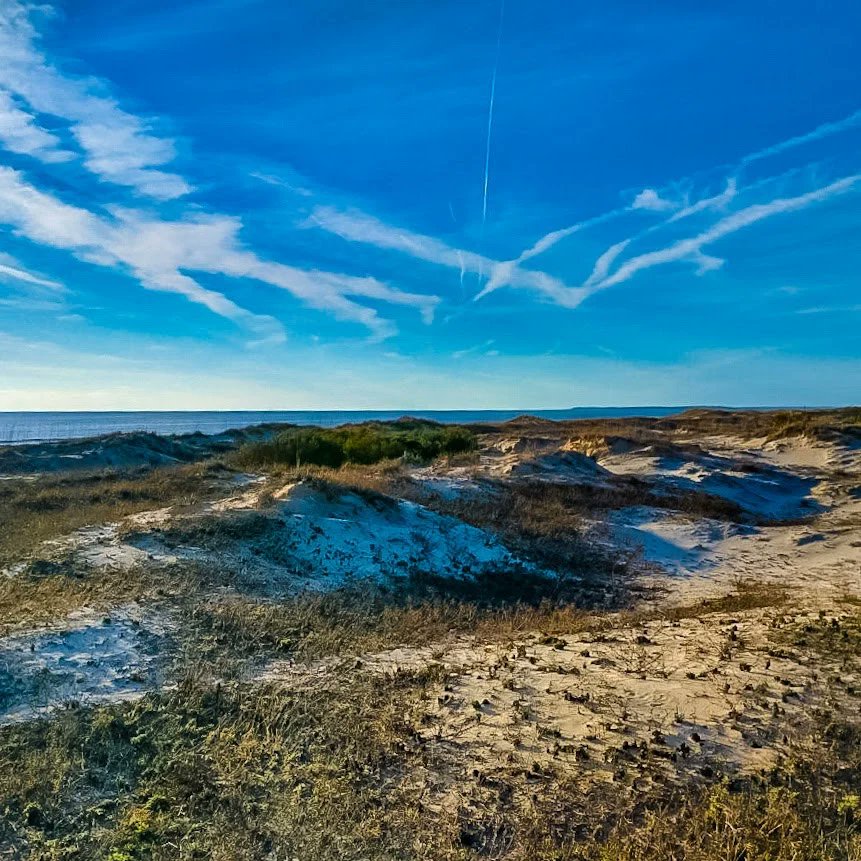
35, 426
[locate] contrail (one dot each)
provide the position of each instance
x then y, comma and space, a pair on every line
490, 113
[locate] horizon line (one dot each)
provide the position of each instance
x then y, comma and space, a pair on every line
406, 411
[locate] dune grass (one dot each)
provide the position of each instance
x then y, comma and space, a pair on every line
348, 770
222, 635
52, 505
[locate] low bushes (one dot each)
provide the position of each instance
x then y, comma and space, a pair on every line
362, 444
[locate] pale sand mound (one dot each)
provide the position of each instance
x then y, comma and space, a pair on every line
561, 466
543, 459
525, 445
678, 543
761, 489
704, 557
842, 453
346, 537
317, 538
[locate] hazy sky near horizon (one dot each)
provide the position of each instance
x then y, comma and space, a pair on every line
428, 204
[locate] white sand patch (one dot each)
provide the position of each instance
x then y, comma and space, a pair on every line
103, 547
705, 558
333, 541
91, 658
762, 490
248, 499
798, 453
452, 483
14, 570
323, 539
681, 545
150, 519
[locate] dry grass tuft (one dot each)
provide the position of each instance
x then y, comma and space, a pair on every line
52, 505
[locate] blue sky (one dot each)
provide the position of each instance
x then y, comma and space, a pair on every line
256, 204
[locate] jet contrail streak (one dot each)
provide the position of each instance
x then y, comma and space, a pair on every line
490, 113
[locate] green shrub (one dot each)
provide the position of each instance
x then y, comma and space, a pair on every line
361, 444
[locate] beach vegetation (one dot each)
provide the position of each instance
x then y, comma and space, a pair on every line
366, 444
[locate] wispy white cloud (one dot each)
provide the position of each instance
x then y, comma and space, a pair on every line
718, 201
502, 273
691, 249
20, 133
830, 309
11, 268
160, 253
825, 130
118, 147
651, 200
158, 249
121, 148
604, 262
476, 348
22, 290
505, 272
361, 227
546, 242
355, 226
280, 182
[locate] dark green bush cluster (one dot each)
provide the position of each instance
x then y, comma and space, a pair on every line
363, 444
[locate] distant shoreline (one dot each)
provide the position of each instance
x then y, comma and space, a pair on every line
17, 427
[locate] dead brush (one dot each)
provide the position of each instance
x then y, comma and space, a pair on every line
638, 659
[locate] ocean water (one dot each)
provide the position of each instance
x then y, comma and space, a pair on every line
38, 426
